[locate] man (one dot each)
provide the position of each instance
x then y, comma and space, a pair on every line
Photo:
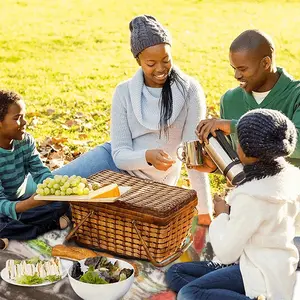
262, 85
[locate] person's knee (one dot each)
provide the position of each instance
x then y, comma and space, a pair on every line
172, 277
61, 207
184, 294
187, 293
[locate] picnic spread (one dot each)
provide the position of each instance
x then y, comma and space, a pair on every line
150, 221
150, 226
148, 284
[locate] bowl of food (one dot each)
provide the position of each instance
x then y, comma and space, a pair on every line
91, 277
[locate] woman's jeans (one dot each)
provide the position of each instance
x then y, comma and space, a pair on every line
206, 280
91, 162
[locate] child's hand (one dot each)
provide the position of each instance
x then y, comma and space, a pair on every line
36, 203
220, 206
29, 203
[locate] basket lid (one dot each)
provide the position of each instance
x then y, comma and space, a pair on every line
146, 196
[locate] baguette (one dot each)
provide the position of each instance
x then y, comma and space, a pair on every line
73, 253
77, 253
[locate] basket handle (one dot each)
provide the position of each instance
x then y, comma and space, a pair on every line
168, 260
73, 231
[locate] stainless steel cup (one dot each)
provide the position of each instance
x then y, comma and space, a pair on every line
192, 153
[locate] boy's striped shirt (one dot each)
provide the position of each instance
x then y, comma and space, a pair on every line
15, 165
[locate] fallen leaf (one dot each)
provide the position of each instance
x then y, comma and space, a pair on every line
70, 123
56, 155
33, 123
87, 125
50, 111
79, 143
56, 163
83, 136
60, 140
79, 114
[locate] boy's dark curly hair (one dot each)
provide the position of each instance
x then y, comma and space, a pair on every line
7, 98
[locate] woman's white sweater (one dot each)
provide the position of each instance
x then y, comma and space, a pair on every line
135, 129
259, 233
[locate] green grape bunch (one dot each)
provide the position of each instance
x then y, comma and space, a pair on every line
63, 186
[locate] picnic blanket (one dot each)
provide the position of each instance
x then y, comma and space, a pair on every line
149, 284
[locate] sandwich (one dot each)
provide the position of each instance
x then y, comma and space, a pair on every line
34, 270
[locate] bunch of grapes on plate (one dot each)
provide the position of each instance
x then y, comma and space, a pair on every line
66, 186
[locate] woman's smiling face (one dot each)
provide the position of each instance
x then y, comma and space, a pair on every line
156, 62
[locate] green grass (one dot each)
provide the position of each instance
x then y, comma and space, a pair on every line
68, 55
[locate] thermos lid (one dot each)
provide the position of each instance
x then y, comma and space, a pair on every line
238, 179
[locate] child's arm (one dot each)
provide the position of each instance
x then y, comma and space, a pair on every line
36, 167
11, 208
29, 203
230, 234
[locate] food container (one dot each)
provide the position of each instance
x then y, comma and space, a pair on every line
110, 291
151, 221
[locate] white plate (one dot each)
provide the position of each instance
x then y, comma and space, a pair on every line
123, 189
4, 276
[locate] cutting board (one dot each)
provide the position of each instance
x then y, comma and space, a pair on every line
83, 198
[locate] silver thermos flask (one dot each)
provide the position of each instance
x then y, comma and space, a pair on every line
226, 159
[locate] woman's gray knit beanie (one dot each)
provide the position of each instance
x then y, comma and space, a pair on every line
146, 31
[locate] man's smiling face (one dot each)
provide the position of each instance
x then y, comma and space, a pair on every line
249, 70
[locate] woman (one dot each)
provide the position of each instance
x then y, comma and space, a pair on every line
259, 231
152, 114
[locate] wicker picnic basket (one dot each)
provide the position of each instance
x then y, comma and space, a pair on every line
151, 221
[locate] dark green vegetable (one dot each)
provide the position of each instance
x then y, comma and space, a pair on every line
101, 271
76, 270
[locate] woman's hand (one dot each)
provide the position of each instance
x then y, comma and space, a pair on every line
159, 159
220, 206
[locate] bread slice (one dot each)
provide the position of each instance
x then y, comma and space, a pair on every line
73, 253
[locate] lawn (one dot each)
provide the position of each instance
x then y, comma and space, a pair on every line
66, 56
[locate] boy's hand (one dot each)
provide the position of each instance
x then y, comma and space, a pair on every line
205, 127
159, 159
29, 203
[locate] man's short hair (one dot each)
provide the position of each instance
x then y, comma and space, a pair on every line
254, 40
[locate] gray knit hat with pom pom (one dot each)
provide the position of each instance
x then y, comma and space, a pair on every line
266, 134
146, 31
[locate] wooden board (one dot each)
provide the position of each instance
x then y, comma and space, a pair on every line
84, 198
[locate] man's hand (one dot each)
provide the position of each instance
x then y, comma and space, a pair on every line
205, 127
207, 166
220, 206
159, 159
29, 203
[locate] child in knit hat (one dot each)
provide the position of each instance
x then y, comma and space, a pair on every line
258, 233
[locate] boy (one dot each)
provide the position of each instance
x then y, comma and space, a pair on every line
22, 217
